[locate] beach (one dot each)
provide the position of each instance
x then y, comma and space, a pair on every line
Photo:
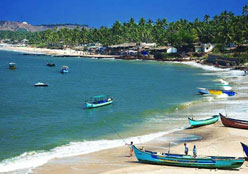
214, 140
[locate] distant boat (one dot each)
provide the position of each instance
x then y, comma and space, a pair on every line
203, 91
98, 101
228, 92
197, 123
12, 65
40, 84
210, 162
64, 69
245, 148
215, 92
230, 122
50, 64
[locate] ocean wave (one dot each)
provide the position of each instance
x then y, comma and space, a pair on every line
33, 159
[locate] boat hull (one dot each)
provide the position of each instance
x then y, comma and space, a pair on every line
215, 92
187, 160
230, 122
197, 123
203, 91
245, 148
92, 105
229, 93
64, 71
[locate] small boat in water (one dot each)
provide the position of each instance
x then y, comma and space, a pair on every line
197, 123
64, 69
98, 101
210, 162
245, 148
230, 122
51, 64
12, 65
40, 84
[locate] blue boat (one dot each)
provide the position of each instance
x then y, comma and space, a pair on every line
210, 162
64, 69
245, 148
197, 123
203, 91
228, 92
98, 101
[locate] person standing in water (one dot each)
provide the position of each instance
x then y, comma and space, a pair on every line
186, 150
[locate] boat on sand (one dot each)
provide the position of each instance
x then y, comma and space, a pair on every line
197, 123
231, 122
210, 162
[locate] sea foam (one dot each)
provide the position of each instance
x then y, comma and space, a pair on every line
33, 159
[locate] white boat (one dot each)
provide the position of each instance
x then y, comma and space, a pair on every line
40, 84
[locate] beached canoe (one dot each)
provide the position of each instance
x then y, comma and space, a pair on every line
98, 101
203, 91
215, 92
211, 162
230, 122
228, 92
197, 123
245, 148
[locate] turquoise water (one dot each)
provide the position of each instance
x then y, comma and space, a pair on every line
37, 119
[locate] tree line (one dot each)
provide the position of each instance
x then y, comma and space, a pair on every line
223, 29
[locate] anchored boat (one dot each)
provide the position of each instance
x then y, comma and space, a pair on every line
64, 69
197, 123
211, 162
12, 65
51, 64
230, 122
98, 101
40, 84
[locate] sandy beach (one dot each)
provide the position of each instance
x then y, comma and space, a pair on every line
216, 140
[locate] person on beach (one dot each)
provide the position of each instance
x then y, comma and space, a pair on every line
194, 151
131, 148
186, 150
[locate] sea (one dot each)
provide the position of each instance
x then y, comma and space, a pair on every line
151, 99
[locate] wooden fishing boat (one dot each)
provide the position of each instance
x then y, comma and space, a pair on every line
215, 92
245, 148
12, 65
203, 91
228, 92
98, 101
230, 122
64, 69
197, 123
211, 162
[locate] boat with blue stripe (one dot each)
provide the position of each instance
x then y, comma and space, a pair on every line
211, 162
245, 148
64, 69
197, 123
98, 101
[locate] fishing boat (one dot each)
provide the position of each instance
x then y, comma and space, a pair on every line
215, 92
211, 162
12, 65
203, 91
64, 69
228, 92
51, 64
40, 84
230, 122
245, 148
98, 101
197, 123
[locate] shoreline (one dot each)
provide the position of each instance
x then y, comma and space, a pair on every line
61, 165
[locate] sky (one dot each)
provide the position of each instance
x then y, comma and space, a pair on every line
97, 13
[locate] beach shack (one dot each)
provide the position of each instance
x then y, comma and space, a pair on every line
203, 47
